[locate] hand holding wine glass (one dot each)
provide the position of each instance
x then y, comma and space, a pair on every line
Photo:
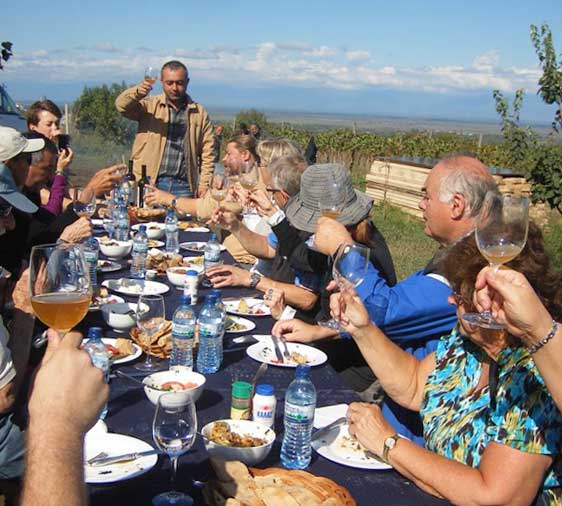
151, 75
84, 201
150, 320
219, 187
173, 429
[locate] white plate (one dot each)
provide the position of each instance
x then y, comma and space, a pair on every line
135, 287
123, 360
263, 351
97, 222
248, 325
185, 226
116, 444
232, 306
110, 299
339, 447
196, 246
152, 243
108, 266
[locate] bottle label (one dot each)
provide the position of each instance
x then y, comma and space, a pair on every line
141, 248
208, 330
171, 228
91, 256
240, 413
212, 256
295, 413
182, 331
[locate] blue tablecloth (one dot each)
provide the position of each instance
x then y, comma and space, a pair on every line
131, 413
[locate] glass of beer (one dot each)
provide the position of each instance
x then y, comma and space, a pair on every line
501, 234
59, 285
331, 202
219, 187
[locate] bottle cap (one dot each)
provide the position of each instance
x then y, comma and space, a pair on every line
94, 333
216, 293
142, 228
241, 389
213, 237
185, 300
191, 272
303, 371
210, 299
265, 389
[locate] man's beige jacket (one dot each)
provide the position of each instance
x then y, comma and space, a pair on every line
152, 115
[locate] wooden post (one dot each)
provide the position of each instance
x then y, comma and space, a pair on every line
354, 128
66, 120
479, 142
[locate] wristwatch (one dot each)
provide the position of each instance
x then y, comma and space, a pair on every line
389, 444
255, 278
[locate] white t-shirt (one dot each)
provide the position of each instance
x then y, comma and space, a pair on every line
7, 369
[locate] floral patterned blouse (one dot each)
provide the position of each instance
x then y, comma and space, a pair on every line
459, 423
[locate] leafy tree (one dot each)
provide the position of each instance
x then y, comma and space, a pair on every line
94, 111
5, 53
249, 116
550, 83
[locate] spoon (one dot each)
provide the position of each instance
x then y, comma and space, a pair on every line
121, 374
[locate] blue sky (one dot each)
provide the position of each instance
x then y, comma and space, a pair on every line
405, 58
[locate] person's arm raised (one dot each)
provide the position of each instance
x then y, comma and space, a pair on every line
129, 103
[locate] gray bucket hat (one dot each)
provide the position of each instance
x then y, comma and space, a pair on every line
303, 209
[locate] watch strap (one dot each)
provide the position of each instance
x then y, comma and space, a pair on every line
255, 278
389, 446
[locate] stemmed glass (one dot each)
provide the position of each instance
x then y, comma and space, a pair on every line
501, 234
151, 74
150, 320
219, 187
173, 429
248, 180
59, 284
84, 202
348, 270
332, 201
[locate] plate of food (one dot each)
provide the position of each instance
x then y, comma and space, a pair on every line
236, 324
114, 445
338, 446
134, 287
153, 243
196, 246
103, 297
108, 266
121, 350
299, 354
247, 306
191, 226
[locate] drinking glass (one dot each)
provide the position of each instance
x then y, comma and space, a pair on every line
173, 429
219, 187
59, 284
150, 320
248, 180
501, 234
348, 270
332, 201
84, 202
151, 74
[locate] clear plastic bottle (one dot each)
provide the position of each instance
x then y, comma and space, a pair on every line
183, 335
172, 243
121, 219
212, 255
220, 304
210, 339
300, 403
91, 249
190, 283
99, 356
140, 252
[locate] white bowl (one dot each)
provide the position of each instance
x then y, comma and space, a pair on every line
154, 230
152, 382
114, 315
250, 456
176, 275
116, 249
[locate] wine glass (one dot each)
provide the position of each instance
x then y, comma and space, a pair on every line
84, 201
501, 234
59, 284
348, 270
219, 187
151, 74
332, 201
173, 429
150, 320
248, 180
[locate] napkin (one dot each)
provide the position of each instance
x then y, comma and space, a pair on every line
327, 414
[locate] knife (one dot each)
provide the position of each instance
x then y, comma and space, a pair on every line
277, 349
106, 461
325, 430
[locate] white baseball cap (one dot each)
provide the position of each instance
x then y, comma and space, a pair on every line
12, 143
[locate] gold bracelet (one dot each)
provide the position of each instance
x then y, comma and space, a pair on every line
538, 345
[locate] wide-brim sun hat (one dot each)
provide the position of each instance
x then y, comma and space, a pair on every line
12, 143
303, 210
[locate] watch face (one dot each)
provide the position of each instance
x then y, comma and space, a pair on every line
390, 442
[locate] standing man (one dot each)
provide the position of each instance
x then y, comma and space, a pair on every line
217, 142
174, 137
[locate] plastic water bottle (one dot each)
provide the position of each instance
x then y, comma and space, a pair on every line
300, 403
140, 252
172, 243
183, 335
210, 338
220, 304
212, 256
121, 221
99, 357
91, 249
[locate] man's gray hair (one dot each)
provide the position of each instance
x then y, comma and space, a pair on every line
286, 173
174, 65
471, 184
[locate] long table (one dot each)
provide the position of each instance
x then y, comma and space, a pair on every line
131, 413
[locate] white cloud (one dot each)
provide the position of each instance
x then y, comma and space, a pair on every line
277, 63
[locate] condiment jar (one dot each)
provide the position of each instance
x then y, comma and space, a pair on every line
190, 283
240, 405
264, 404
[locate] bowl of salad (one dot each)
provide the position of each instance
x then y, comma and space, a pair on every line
183, 383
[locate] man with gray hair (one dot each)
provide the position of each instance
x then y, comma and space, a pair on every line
415, 312
175, 136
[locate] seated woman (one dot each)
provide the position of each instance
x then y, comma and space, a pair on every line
492, 432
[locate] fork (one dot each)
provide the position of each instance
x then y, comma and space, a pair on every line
286, 352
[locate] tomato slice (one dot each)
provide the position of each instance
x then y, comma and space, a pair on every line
112, 349
170, 385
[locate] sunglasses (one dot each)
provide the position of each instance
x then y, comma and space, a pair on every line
5, 209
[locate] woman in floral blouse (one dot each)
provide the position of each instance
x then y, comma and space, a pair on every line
492, 432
